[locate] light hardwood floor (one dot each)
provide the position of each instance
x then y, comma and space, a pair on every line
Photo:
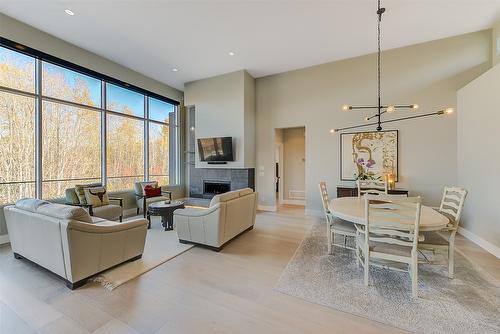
198, 292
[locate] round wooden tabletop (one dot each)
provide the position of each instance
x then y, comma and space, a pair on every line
353, 209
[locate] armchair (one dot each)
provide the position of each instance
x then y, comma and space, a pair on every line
76, 197
143, 201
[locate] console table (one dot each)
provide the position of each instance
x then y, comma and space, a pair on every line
346, 191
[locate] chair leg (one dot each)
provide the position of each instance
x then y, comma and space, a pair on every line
137, 210
345, 240
330, 242
121, 219
329, 237
357, 249
367, 266
414, 275
451, 256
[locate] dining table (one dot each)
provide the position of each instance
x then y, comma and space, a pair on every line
352, 209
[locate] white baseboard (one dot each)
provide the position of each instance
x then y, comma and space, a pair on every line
486, 245
293, 202
267, 208
4, 239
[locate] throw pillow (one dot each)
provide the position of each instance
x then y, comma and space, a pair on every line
151, 191
97, 196
154, 184
80, 191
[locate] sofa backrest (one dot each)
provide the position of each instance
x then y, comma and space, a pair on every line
37, 237
240, 207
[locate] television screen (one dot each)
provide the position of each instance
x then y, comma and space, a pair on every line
216, 149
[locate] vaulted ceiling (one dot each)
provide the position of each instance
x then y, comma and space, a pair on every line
267, 37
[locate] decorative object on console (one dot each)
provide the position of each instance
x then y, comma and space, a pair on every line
382, 109
369, 155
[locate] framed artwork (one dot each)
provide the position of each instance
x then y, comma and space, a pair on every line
368, 155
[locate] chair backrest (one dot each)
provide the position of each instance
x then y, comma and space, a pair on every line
397, 220
371, 187
323, 190
452, 203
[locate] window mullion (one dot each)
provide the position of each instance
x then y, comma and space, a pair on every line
38, 128
104, 171
146, 138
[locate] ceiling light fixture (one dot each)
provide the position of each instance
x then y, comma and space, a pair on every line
232, 53
175, 70
382, 109
69, 12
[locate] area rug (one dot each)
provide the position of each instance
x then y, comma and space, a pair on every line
469, 303
161, 246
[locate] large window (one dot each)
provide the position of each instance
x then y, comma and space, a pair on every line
125, 151
71, 147
53, 127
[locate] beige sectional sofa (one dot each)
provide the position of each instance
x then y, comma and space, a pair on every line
229, 215
67, 241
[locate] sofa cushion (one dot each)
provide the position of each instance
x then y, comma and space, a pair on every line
80, 191
62, 211
109, 212
30, 204
246, 191
97, 196
224, 197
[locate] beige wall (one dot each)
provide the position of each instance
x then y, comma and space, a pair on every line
225, 107
479, 157
34, 38
428, 74
495, 38
294, 152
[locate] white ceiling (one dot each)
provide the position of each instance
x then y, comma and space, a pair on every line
268, 37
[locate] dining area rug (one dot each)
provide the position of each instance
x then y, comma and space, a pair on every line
469, 303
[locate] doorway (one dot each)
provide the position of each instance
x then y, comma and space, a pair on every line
289, 180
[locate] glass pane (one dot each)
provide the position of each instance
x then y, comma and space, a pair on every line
158, 150
17, 70
56, 189
11, 192
125, 151
71, 146
162, 180
160, 111
124, 100
123, 183
64, 84
17, 146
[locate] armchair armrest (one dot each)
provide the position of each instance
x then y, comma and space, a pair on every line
109, 227
85, 206
117, 199
167, 192
195, 212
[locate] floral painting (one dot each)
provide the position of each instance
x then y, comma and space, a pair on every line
369, 155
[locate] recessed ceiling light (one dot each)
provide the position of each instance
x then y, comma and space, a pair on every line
69, 12
175, 70
232, 53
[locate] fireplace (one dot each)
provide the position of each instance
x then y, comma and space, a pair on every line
211, 188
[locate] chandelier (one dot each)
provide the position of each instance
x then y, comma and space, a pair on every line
383, 109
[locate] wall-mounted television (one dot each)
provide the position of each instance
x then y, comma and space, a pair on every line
218, 149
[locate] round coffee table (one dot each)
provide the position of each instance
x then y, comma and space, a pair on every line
165, 209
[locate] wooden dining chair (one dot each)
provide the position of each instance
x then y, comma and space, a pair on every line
371, 187
451, 206
390, 236
335, 225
